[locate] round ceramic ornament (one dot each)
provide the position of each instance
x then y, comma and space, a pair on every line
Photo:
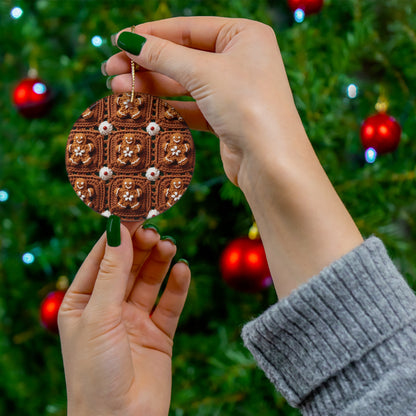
130, 155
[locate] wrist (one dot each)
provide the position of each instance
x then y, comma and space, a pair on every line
302, 222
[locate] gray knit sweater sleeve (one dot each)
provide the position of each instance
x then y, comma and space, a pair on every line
345, 342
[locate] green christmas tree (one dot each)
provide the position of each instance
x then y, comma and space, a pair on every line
366, 43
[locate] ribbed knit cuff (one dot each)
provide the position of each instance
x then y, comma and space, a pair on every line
337, 333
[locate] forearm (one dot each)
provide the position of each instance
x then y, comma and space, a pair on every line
343, 343
303, 223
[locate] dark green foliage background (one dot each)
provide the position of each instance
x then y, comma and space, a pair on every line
368, 42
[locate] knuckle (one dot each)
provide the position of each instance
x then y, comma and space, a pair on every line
156, 52
108, 269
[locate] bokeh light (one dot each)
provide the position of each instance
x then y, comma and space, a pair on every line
97, 41
28, 258
370, 155
16, 12
4, 195
352, 91
299, 15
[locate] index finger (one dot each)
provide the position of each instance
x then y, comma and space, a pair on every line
197, 32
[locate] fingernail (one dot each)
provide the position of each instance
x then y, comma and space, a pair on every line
114, 39
131, 42
103, 69
168, 237
113, 231
150, 227
184, 261
108, 82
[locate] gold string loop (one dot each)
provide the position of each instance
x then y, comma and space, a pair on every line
133, 74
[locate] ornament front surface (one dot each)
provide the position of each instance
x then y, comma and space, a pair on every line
130, 158
380, 132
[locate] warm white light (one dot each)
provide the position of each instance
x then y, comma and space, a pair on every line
352, 91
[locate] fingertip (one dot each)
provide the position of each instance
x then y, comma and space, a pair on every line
113, 231
146, 237
181, 274
167, 246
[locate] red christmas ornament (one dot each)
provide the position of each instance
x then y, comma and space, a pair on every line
381, 132
308, 6
244, 266
49, 310
32, 98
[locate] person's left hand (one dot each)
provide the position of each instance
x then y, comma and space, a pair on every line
116, 346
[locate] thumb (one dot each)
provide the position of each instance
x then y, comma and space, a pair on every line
182, 64
110, 286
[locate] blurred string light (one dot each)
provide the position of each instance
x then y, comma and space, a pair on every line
299, 15
370, 155
97, 41
4, 195
28, 258
352, 91
39, 88
16, 12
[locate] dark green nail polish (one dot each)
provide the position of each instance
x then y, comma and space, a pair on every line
103, 69
114, 39
168, 237
113, 231
108, 82
184, 261
150, 227
131, 42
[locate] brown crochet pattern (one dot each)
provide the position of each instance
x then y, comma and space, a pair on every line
131, 159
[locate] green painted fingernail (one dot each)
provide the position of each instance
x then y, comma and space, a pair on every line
104, 69
108, 82
168, 237
183, 261
113, 231
150, 227
131, 42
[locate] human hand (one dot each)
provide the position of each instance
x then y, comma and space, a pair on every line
234, 71
117, 352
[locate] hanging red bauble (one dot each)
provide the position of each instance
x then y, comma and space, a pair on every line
32, 98
308, 6
49, 310
381, 132
244, 266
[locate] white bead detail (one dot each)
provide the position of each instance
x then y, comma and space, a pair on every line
105, 128
105, 173
153, 128
153, 213
106, 213
152, 174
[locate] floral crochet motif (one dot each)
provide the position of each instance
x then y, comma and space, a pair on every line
153, 128
105, 128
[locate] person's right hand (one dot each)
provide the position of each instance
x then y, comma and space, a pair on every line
234, 71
